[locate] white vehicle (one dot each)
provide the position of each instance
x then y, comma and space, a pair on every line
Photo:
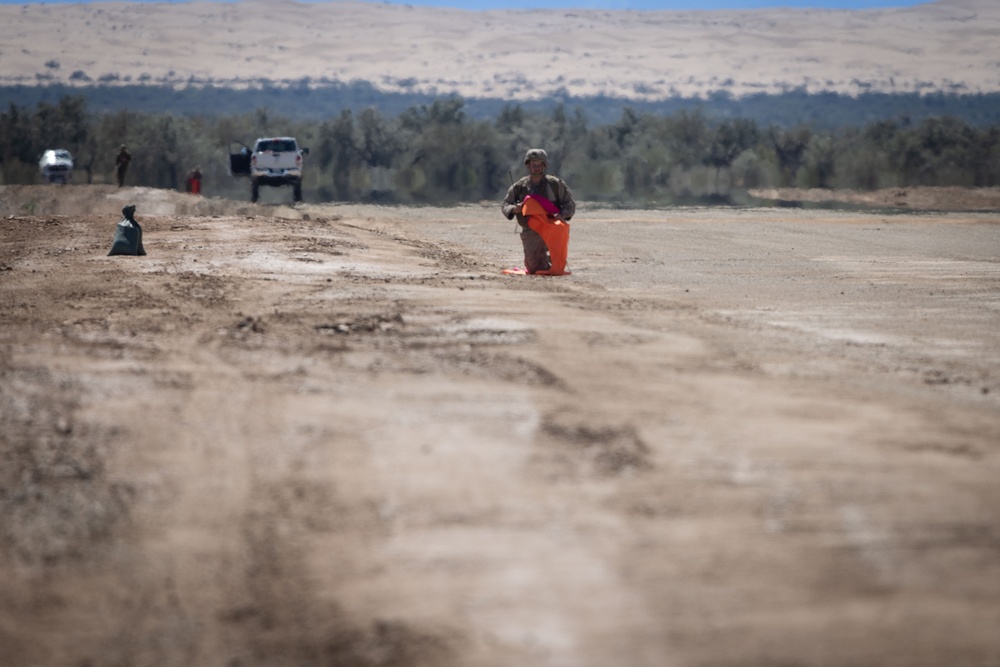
56, 166
273, 161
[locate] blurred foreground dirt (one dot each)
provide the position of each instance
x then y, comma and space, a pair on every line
336, 435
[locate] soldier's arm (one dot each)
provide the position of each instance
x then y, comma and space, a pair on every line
512, 203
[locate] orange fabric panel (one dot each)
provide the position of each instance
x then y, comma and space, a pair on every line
554, 232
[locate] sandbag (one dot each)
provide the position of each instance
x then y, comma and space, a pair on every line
128, 235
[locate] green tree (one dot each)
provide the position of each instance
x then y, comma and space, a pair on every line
156, 152
730, 139
789, 149
818, 162
686, 137
17, 148
338, 153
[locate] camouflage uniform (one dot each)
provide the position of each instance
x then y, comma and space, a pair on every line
536, 254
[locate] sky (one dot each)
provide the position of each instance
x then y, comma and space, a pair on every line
599, 4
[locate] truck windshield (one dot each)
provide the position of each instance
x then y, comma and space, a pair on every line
277, 145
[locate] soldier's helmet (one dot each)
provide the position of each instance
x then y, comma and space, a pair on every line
536, 154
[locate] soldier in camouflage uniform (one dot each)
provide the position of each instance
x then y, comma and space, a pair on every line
537, 182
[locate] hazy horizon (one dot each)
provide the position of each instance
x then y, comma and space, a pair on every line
644, 5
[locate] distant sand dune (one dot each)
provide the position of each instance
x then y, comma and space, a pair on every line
948, 46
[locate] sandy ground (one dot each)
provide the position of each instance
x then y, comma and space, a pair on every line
908, 199
947, 46
336, 435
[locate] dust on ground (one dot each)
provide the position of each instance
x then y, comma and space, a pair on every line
336, 435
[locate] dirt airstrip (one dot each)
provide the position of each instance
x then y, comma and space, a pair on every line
336, 435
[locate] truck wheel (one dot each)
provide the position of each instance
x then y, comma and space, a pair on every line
254, 191
297, 192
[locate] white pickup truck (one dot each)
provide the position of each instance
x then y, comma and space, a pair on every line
56, 165
273, 161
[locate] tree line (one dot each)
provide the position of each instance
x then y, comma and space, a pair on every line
436, 153
319, 99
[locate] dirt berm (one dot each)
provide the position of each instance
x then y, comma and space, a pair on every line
337, 435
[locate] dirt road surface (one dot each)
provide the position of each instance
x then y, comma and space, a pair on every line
336, 435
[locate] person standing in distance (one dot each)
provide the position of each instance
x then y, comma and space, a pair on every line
121, 164
539, 184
